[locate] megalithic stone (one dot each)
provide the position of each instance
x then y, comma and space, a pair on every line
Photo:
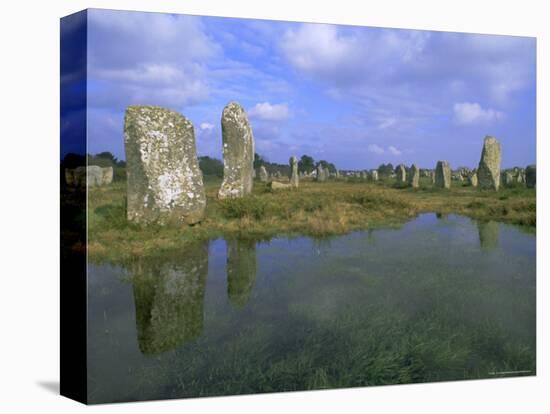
263, 174
488, 172
443, 175
401, 174
414, 177
294, 178
238, 153
164, 180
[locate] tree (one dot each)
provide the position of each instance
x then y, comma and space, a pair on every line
211, 166
306, 164
259, 161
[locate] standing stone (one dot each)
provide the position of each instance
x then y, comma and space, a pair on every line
443, 175
263, 174
374, 175
472, 179
238, 153
531, 176
294, 178
107, 175
401, 174
488, 172
91, 176
69, 177
164, 179
363, 175
432, 176
520, 179
507, 178
320, 173
414, 176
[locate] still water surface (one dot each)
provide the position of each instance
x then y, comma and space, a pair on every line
441, 298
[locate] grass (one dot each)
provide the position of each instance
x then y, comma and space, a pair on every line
314, 209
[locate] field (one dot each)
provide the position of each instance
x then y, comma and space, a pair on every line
314, 209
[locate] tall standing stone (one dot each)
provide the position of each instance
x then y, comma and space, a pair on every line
374, 175
488, 172
263, 174
294, 179
401, 174
443, 175
414, 176
238, 153
531, 176
164, 179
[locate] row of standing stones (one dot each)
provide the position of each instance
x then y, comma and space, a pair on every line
487, 176
91, 175
165, 183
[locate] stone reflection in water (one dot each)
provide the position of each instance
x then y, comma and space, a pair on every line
241, 270
169, 299
488, 234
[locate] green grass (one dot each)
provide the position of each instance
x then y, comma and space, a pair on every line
314, 209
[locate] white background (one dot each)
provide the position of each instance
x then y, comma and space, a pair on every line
29, 208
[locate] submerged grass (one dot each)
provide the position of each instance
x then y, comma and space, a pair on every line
314, 209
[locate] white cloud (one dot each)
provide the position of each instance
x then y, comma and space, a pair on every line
473, 113
387, 122
393, 151
205, 126
269, 112
376, 149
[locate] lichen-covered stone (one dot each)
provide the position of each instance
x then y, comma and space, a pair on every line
374, 175
238, 153
164, 179
488, 172
107, 175
294, 178
414, 176
531, 176
443, 175
401, 174
263, 175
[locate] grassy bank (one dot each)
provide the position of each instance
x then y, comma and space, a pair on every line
315, 209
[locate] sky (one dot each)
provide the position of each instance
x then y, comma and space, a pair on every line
354, 96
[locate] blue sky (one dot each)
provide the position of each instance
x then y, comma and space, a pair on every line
355, 96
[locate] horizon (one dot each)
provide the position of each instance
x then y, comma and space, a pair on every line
354, 96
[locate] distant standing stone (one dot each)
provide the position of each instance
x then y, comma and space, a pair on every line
414, 176
374, 175
472, 179
107, 175
69, 177
294, 178
531, 176
164, 179
263, 174
401, 174
443, 175
238, 153
488, 172
432, 176
321, 173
